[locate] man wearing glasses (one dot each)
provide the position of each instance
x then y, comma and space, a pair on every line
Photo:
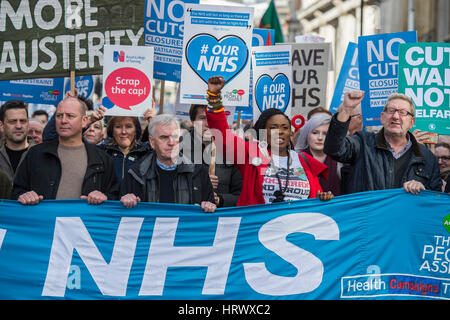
391, 158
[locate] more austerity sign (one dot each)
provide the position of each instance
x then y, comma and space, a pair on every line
374, 245
50, 38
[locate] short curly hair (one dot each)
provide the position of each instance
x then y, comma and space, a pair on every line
260, 124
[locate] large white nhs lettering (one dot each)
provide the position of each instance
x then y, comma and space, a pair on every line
112, 278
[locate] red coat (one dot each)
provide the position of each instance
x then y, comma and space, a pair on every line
242, 153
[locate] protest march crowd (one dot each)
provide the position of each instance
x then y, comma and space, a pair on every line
81, 154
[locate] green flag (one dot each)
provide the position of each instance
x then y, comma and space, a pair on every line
270, 21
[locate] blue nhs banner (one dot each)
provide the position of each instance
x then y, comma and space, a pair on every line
164, 28
348, 76
378, 71
372, 245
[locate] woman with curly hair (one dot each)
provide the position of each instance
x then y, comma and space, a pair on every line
272, 171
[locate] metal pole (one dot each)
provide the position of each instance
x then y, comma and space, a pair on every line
362, 17
410, 15
161, 97
294, 24
72, 82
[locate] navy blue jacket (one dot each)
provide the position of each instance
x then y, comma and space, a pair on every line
372, 162
123, 162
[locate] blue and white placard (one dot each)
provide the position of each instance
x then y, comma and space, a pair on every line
217, 42
385, 244
272, 72
348, 76
39, 91
164, 27
378, 70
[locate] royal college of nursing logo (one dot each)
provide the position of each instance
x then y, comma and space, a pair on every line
119, 56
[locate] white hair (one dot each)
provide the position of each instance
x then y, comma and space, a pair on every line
162, 119
315, 121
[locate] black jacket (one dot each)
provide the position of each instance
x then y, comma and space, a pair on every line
123, 162
230, 178
372, 162
191, 183
40, 171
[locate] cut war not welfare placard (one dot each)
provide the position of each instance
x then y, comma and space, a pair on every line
424, 76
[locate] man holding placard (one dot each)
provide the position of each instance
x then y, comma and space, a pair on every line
391, 158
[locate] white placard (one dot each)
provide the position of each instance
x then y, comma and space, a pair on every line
272, 73
217, 42
127, 80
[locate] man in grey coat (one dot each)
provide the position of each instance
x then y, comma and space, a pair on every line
391, 158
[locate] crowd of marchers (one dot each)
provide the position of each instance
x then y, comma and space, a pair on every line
79, 153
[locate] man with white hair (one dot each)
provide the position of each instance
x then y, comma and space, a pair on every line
35, 130
163, 176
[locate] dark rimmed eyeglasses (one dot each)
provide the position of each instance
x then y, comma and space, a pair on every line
401, 112
444, 158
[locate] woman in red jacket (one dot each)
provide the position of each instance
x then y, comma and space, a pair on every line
271, 170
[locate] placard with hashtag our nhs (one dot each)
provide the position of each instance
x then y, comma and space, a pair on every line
272, 74
217, 42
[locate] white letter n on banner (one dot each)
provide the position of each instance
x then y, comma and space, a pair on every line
111, 279
163, 254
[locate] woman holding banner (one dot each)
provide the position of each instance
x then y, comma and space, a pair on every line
311, 141
271, 170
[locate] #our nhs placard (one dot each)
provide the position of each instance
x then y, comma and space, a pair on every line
217, 42
127, 80
424, 76
83, 84
348, 76
164, 27
272, 72
261, 37
378, 70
